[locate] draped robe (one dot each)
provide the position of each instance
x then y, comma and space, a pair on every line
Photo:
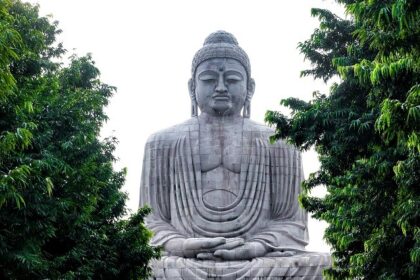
265, 208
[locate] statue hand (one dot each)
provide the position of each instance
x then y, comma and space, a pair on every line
190, 247
230, 244
246, 251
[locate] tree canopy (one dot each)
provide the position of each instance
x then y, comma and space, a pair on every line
366, 132
62, 210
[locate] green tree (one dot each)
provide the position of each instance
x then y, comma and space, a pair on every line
61, 205
366, 132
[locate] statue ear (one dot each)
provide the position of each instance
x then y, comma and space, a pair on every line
190, 86
246, 113
251, 88
194, 106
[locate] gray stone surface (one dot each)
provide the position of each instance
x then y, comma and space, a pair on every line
224, 199
306, 266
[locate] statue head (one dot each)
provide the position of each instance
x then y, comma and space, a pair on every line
221, 77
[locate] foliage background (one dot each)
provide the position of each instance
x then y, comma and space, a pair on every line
60, 199
366, 131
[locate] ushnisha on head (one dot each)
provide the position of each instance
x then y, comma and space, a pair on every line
221, 82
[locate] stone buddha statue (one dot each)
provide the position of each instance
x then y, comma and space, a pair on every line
224, 199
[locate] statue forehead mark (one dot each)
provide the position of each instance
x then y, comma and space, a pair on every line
222, 66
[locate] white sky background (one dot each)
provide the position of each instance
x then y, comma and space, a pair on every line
145, 49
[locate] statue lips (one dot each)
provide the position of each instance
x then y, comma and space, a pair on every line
221, 97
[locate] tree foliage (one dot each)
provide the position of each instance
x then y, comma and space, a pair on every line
366, 132
61, 205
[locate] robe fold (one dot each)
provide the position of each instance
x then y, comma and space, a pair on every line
265, 209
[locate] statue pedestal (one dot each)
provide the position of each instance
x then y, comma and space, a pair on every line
305, 266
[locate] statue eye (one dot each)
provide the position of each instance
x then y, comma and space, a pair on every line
207, 78
233, 79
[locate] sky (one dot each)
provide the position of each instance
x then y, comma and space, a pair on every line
145, 49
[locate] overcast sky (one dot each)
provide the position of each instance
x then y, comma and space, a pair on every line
145, 49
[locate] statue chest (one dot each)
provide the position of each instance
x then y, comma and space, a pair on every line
220, 162
220, 146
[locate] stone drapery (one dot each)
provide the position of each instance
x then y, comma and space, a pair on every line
265, 209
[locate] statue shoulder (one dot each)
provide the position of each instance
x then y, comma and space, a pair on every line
257, 127
174, 132
263, 132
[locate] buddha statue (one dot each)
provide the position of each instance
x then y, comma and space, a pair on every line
224, 199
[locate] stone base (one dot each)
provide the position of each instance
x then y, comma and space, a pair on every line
302, 266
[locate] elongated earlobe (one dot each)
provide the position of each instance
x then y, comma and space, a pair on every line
194, 105
246, 113
194, 109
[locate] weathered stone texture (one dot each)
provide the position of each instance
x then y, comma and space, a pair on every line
224, 199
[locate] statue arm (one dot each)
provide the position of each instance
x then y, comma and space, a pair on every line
287, 227
155, 192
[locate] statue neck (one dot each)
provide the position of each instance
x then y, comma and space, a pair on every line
207, 118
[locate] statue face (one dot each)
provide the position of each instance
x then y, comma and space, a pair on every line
221, 86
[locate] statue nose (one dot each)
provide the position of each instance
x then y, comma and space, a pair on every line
221, 87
